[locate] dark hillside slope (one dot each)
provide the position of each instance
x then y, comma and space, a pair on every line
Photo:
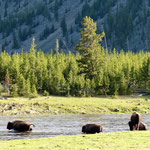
125, 22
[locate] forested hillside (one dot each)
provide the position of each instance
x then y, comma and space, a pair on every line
26, 74
92, 71
126, 23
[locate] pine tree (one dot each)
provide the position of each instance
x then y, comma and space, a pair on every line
6, 90
45, 93
56, 10
33, 90
71, 30
14, 90
145, 73
52, 29
5, 60
32, 55
15, 42
41, 69
90, 48
15, 68
57, 47
7, 79
143, 36
27, 88
63, 26
33, 79
21, 85
110, 21
122, 84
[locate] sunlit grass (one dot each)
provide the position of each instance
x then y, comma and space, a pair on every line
135, 140
73, 105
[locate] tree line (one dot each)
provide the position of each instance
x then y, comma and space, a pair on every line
91, 71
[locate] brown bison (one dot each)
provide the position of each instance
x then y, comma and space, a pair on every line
92, 128
136, 118
19, 125
135, 122
140, 126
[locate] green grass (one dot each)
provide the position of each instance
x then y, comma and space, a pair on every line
73, 105
135, 140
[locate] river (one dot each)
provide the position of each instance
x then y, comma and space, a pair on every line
59, 125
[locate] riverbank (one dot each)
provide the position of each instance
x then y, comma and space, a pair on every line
135, 140
74, 105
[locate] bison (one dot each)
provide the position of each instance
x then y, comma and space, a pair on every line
19, 125
135, 122
92, 128
140, 126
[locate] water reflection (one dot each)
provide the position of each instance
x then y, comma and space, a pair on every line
54, 125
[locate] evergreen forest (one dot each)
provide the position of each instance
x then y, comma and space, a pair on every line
92, 71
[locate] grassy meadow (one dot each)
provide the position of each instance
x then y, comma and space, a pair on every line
135, 140
74, 105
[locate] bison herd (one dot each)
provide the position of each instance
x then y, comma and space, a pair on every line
135, 123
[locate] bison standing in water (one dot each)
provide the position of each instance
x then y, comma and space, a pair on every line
135, 122
140, 126
19, 125
92, 128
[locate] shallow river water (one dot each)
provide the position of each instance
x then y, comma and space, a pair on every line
58, 125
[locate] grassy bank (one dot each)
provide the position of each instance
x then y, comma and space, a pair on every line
135, 140
73, 105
